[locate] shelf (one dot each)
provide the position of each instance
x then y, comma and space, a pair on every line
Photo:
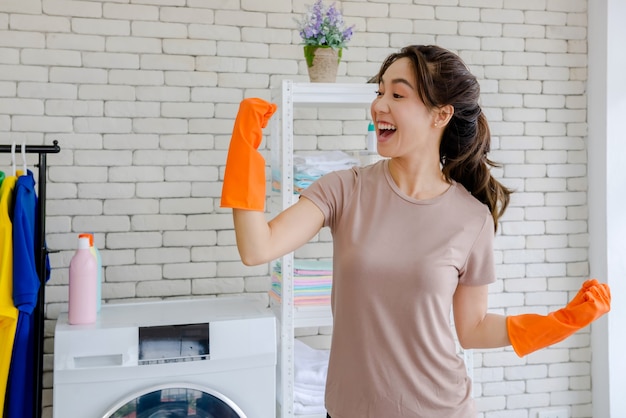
306, 316
333, 94
322, 415
288, 96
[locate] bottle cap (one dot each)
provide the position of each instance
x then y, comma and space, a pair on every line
83, 243
372, 145
90, 236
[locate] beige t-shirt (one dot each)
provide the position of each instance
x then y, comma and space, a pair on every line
397, 262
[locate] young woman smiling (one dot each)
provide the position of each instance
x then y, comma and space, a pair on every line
413, 240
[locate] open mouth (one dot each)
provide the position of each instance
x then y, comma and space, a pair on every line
385, 130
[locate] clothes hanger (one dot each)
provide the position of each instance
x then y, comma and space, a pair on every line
24, 167
23, 152
13, 158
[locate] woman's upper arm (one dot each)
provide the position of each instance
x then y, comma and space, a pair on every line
260, 241
295, 226
469, 307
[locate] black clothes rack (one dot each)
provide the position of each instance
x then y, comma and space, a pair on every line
42, 253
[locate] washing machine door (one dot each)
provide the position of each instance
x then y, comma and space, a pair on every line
176, 401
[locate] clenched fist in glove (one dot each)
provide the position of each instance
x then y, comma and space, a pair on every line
531, 332
244, 178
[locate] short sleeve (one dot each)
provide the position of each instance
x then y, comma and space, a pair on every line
330, 193
479, 268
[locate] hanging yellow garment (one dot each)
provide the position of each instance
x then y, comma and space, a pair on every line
8, 311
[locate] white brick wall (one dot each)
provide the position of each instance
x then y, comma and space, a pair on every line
142, 98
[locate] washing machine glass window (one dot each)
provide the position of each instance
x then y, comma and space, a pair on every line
176, 401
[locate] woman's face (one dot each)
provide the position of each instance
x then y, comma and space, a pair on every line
405, 126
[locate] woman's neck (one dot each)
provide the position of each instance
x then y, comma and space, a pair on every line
419, 181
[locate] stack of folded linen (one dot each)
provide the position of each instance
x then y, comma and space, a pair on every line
309, 167
310, 371
312, 282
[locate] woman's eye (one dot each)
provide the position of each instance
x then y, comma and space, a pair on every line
394, 95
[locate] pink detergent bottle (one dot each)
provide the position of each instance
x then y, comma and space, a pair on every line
83, 278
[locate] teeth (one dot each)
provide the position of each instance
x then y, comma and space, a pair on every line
386, 126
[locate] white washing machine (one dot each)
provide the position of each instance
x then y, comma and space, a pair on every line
201, 358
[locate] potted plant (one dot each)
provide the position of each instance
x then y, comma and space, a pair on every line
324, 34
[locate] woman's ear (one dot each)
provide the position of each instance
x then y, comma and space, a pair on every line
443, 115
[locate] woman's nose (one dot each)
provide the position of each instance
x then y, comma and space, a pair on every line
379, 104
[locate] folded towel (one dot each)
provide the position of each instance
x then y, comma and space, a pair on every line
314, 288
310, 388
310, 365
300, 409
308, 264
308, 397
314, 273
324, 160
308, 168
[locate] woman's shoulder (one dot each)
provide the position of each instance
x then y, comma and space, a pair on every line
469, 202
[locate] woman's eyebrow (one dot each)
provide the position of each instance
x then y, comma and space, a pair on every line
399, 81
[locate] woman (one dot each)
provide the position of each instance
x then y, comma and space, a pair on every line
412, 238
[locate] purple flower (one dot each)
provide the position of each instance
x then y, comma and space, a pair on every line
347, 34
334, 16
324, 26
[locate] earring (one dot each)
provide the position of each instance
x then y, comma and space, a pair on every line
436, 125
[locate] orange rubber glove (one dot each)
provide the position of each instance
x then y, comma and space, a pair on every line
531, 332
244, 178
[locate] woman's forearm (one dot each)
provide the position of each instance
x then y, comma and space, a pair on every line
491, 332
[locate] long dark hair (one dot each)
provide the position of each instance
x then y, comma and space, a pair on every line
444, 79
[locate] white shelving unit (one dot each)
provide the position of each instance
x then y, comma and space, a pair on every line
288, 96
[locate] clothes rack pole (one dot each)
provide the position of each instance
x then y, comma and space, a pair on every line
40, 238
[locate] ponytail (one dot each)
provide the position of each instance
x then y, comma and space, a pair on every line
463, 153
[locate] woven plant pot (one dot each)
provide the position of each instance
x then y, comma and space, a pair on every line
322, 63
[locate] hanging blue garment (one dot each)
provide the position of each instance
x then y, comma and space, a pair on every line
20, 390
